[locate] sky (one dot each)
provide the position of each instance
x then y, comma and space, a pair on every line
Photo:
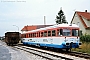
15, 14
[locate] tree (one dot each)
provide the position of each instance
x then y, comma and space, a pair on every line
61, 17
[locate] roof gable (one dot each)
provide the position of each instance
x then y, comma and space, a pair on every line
86, 15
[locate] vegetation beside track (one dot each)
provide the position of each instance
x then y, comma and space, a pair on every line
85, 47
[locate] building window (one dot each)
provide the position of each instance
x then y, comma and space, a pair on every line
78, 23
73, 23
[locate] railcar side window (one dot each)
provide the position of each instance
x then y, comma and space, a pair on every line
37, 34
41, 34
33, 34
25, 35
53, 33
60, 32
49, 33
45, 34
29, 35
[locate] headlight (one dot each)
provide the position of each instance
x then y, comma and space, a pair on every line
23, 39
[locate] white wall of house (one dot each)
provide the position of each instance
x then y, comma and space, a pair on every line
77, 21
88, 31
87, 22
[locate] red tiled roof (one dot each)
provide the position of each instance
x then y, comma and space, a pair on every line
33, 27
86, 15
28, 28
42, 26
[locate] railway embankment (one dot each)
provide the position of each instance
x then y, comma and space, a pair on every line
9, 53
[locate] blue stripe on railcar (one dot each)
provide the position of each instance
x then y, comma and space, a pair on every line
52, 45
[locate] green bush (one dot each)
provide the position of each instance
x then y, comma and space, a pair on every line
85, 38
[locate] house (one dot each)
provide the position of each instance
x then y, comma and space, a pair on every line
33, 27
82, 19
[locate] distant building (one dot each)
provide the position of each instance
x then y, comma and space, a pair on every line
33, 27
2, 38
82, 19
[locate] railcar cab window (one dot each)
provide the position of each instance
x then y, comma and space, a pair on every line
63, 32
66, 32
75, 32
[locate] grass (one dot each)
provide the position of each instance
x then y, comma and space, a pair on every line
85, 47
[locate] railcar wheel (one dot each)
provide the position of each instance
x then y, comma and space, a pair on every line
12, 44
7, 44
38, 45
70, 49
67, 49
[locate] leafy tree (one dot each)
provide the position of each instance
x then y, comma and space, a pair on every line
61, 17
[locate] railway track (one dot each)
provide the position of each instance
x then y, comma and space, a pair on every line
75, 53
50, 55
72, 53
41, 53
80, 54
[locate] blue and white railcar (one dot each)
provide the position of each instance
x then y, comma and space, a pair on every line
63, 36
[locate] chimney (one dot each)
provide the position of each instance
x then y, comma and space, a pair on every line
85, 10
45, 20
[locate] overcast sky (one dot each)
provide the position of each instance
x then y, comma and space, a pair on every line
31, 12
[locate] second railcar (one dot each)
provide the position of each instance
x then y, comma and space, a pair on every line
12, 38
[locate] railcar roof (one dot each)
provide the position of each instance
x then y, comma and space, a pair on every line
54, 26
